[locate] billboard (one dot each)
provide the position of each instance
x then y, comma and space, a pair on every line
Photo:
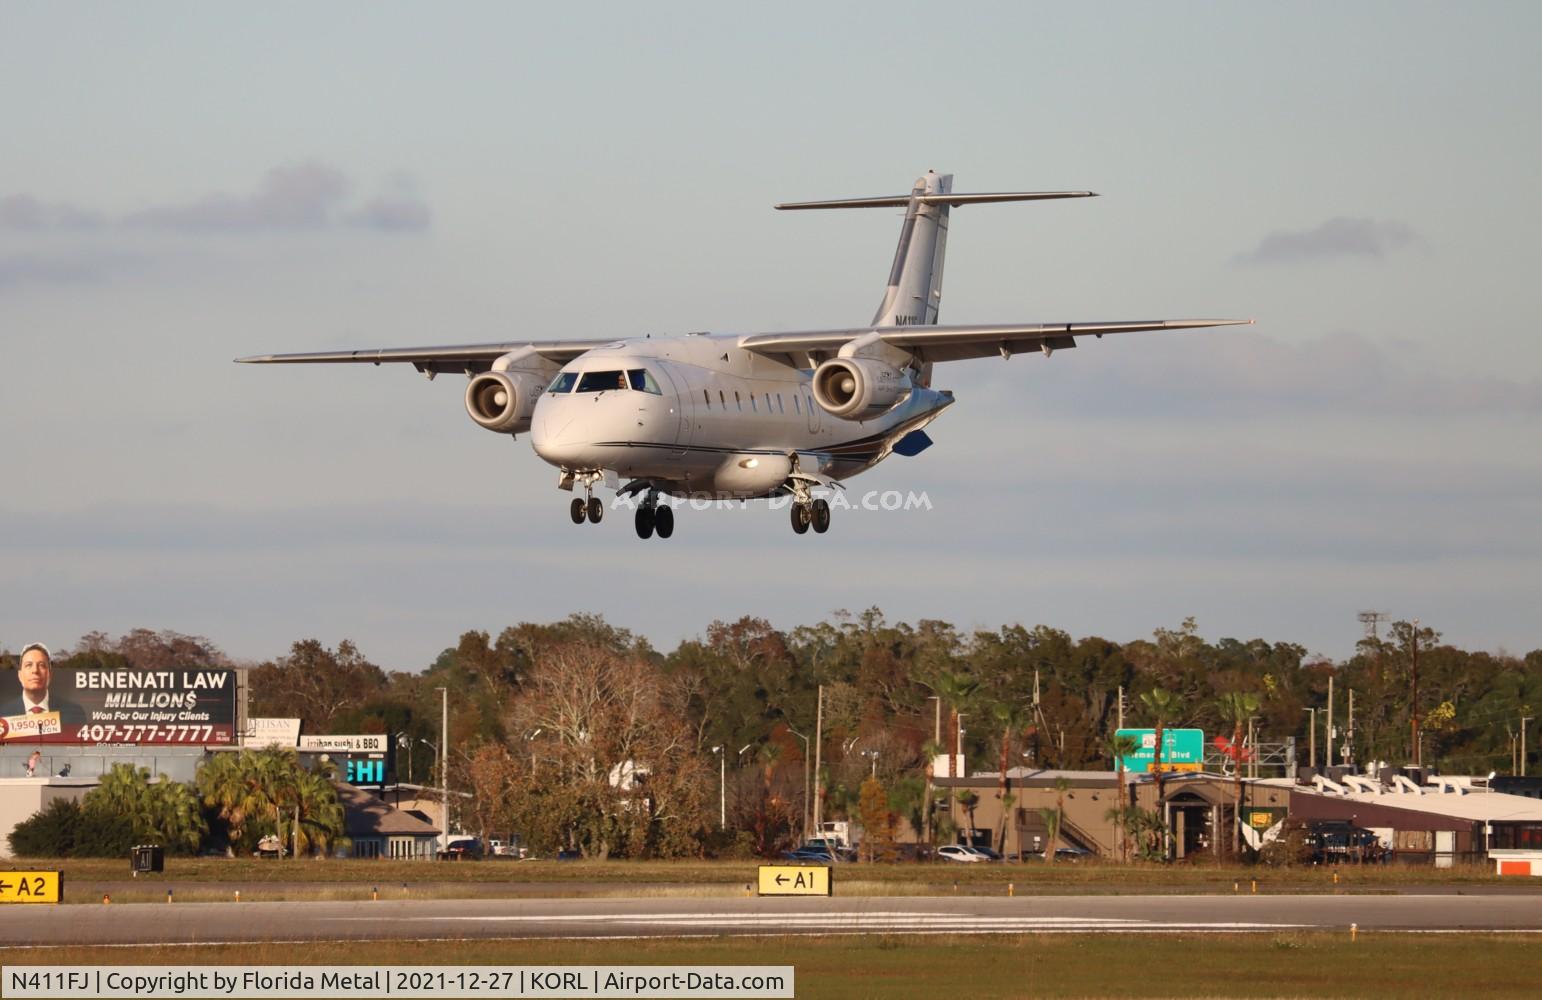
91, 705
1182, 749
263, 733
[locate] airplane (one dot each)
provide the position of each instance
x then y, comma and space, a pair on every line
745, 416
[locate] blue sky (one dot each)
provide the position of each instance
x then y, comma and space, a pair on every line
185, 183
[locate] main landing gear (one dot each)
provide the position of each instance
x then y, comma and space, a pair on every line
807, 513
652, 519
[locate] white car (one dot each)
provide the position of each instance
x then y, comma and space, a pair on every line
958, 852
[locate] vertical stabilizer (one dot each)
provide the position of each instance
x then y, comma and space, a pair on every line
914, 294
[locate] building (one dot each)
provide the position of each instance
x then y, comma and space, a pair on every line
1443, 821
380, 830
977, 809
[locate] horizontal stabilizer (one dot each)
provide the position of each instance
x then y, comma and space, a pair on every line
948, 198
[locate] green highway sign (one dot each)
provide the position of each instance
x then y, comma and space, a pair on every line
1182, 749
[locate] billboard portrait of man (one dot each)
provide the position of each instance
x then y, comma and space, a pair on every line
35, 674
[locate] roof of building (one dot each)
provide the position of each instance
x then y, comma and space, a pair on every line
1453, 798
364, 815
1037, 776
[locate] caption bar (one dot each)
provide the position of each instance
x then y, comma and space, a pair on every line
358, 981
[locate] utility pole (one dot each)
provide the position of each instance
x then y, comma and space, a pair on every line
1349, 735
819, 730
1327, 761
1311, 753
1121, 708
1524, 719
1252, 757
444, 768
926, 809
1418, 755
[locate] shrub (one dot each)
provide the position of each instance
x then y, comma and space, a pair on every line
66, 829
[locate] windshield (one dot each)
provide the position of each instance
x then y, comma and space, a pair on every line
601, 381
563, 383
642, 381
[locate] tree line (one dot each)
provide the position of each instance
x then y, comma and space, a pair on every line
580, 734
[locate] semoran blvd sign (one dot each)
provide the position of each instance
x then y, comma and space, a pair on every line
1182, 749
795, 880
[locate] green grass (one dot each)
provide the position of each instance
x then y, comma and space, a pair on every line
1307, 964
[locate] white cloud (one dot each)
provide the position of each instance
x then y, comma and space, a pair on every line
1337, 237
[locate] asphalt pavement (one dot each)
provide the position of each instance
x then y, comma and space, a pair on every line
146, 923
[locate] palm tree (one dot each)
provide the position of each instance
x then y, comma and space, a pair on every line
1120, 746
319, 819
1009, 716
955, 689
1162, 703
969, 800
1237, 706
930, 749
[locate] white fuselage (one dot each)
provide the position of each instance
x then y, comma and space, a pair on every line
723, 422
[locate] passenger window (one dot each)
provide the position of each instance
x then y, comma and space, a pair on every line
738, 403
795, 408
722, 399
563, 383
601, 381
706, 397
642, 380
752, 404
779, 407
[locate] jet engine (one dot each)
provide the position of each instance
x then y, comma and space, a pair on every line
503, 402
858, 388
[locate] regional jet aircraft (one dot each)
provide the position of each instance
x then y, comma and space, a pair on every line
745, 416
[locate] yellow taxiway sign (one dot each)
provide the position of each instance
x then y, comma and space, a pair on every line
796, 880
29, 887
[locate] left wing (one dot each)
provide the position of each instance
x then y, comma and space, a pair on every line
956, 343
467, 358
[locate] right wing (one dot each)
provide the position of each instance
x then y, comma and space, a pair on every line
956, 343
467, 358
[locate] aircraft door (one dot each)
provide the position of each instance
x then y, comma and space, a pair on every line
681, 405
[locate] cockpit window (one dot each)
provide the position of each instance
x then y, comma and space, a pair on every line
601, 381
642, 381
563, 383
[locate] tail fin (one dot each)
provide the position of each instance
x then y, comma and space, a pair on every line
914, 294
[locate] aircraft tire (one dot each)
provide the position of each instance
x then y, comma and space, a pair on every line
596, 510
800, 518
664, 521
644, 522
576, 509
821, 514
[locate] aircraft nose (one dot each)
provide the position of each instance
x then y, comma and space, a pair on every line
558, 436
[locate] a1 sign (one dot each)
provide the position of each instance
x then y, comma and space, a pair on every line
795, 880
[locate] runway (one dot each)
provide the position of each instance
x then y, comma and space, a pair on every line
161, 923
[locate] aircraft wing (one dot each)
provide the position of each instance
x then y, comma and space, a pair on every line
467, 358
956, 343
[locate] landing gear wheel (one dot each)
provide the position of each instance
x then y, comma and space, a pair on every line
821, 514
644, 521
596, 510
801, 518
576, 509
664, 521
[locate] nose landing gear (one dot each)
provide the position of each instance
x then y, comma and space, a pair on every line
588, 507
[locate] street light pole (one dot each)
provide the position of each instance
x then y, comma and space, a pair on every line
807, 805
1418, 756
1311, 753
819, 735
444, 768
722, 785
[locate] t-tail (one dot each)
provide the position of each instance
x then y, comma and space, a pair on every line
914, 294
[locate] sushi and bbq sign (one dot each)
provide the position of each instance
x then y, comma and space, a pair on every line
1182, 749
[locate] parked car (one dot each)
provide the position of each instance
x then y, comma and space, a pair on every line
958, 852
463, 849
989, 853
818, 855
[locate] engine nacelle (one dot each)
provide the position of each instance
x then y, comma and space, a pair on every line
858, 388
503, 402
